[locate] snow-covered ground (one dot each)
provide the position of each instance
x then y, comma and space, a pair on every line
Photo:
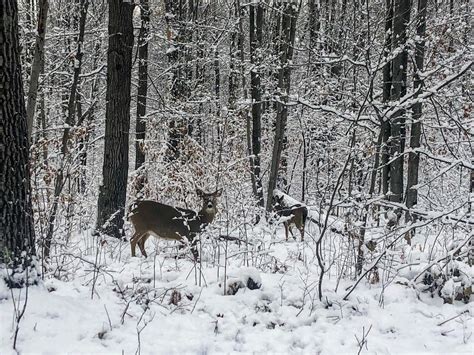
155, 305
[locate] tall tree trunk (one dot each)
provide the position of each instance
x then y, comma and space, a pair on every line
471, 191
415, 136
38, 63
179, 15
241, 48
235, 56
387, 86
17, 236
256, 17
314, 25
113, 190
451, 39
401, 18
217, 81
140, 126
286, 42
233, 73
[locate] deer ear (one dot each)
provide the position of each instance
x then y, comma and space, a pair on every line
218, 193
199, 192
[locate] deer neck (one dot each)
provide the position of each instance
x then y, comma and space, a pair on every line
206, 217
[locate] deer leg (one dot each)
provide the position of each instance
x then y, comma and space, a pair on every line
141, 244
181, 245
193, 245
302, 232
195, 251
134, 240
286, 230
291, 231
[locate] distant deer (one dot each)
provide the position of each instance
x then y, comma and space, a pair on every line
171, 223
295, 214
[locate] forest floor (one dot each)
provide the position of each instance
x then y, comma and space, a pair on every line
108, 302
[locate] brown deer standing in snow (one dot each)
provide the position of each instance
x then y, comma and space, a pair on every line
296, 214
171, 223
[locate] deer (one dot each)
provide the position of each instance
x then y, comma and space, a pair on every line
171, 223
296, 214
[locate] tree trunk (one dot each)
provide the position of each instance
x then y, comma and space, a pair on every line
179, 14
17, 236
38, 63
140, 126
233, 73
471, 191
256, 17
113, 190
401, 18
413, 157
217, 81
241, 48
387, 86
286, 42
314, 25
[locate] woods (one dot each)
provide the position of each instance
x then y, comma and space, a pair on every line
351, 120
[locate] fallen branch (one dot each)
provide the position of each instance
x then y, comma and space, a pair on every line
233, 239
450, 319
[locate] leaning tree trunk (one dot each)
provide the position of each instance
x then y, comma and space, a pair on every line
256, 18
401, 18
140, 126
17, 236
38, 64
415, 136
286, 42
113, 190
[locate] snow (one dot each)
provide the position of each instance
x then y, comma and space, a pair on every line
125, 305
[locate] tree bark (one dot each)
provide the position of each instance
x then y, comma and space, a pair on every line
38, 64
17, 236
233, 73
113, 191
140, 126
413, 157
286, 42
314, 25
471, 191
256, 17
401, 18
179, 14
387, 86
